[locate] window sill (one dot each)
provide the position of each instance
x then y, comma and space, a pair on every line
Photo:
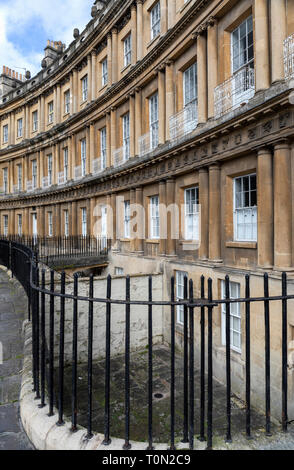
246, 245
125, 240
125, 68
156, 241
190, 243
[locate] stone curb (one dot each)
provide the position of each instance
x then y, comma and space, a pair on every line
42, 429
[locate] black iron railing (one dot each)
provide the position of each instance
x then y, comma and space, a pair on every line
22, 262
54, 248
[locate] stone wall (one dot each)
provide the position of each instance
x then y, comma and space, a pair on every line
138, 323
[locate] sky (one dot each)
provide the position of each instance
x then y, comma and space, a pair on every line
25, 26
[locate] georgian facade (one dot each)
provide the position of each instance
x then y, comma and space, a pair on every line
158, 103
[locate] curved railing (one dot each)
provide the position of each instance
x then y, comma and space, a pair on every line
47, 304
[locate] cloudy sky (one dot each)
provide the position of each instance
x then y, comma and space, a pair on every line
25, 26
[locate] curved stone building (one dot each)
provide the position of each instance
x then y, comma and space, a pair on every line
184, 104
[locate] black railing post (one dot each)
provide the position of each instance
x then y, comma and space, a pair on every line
186, 386
284, 354
150, 366
202, 365
43, 342
90, 355
172, 379
107, 439
210, 371
127, 444
248, 358
51, 346
37, 329
267, 358
191, 365
74, 357
60, 421
228, 357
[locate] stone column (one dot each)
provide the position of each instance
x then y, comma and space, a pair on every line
171, 13
109, 58
54, 108
140, 32
202, 77
132, 125
262, 72
134, 241
42, 112
74, 219
10, 176
41, 165
204, 213
282, 207
89, 67
92, 146
170, 200
161, 106
69, 145
26, 222
27, 122
113, 133
170, 95
58, 104
114, 55
140, 220
212, 64
278, 34
94, 75
71, 90
214, 213
134, 33
91, 216
12, 129
114, 221
75, 96
56, 159
88, 150
162, 209
265, 208
138, 114
108, 137
164, 16
73, 155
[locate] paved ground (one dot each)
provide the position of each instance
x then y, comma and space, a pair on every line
161, 409
12, 314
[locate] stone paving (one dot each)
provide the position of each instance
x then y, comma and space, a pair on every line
161, 408
12, 314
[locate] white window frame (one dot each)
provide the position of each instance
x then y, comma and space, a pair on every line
119, 271
103, 147
84, 222
127, 219
128, 50
241, 210
50, 112
192, 214
155, 17
19, 177
153, 121
5, 180
35, 120
235, 316
83, 157
34, 173
5, 225
180, 278
243, 74
50, 169
19, 225
84, 88
65, 163
190, 97
154, 218
66, 223
19, 126
104, 72
50, 224
126, 136
5, 134
67, 102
